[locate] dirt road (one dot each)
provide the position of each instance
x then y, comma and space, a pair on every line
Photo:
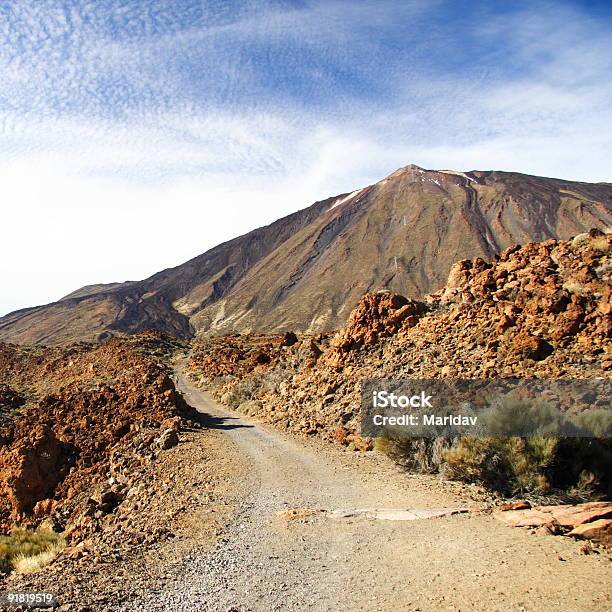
321, 561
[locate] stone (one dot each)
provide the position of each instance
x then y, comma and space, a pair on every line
528, 346
44, 507
599, 531
516, 505
29, 469
572, 516
288, 339
168, 439
524, 518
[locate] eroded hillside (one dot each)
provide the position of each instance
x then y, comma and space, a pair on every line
307, 271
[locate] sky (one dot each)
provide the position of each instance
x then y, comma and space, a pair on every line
136, 134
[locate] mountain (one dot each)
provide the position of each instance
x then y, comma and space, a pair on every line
307, 271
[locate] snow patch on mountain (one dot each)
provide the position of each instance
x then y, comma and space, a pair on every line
350, 196
461, 174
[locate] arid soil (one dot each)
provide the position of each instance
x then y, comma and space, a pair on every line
178, 509
298, 541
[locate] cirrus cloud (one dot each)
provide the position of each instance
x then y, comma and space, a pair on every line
162, 128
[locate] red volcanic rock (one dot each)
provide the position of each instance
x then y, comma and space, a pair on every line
538, 310
378, 315
29, 468
517, 505
572, 516
599, 531
590, 520
44, 507
527, 346
68, 442
239, 355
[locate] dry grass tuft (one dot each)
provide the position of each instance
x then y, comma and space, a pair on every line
27, 551
28, 564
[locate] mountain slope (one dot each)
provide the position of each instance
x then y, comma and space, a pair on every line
308, 270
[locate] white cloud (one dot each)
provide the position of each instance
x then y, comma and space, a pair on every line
124, 152
61, 231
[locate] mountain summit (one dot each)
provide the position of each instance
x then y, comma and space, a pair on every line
307, 271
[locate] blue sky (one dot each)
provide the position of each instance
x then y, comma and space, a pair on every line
136, 134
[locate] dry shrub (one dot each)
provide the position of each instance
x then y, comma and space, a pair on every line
508, 465
537, 464
28, 550
511, 466
243, 391
415, 454
28, 564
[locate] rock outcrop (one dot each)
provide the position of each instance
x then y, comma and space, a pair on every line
378, 315
538, 310
108, 411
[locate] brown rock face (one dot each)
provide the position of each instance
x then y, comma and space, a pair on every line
29, 469
378, 315
307, 271
68, 442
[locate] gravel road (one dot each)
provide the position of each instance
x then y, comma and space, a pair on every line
318, 561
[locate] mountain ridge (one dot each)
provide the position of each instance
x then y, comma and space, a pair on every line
306, 271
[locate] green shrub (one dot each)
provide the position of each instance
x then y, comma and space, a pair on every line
580, 467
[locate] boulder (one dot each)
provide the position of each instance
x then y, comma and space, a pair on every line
168, 439
29, 469
524, 518
288, 339
378, 315
527, 346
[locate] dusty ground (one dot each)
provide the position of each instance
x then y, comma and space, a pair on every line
189, 496
219, 494
462, 562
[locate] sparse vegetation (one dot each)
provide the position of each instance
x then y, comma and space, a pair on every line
27, 551
415, 454
533, 460
536, 464
243, 391
509, 465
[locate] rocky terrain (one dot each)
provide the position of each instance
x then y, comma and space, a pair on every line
402, 234
88, 422
99, 447
161, 505
541, 310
